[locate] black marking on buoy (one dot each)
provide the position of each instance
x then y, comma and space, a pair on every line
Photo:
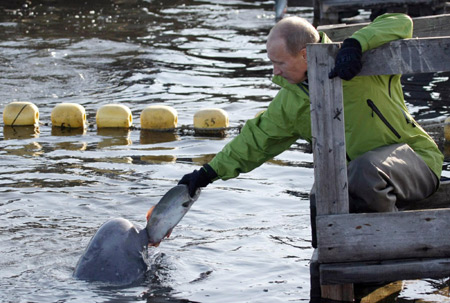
18, 114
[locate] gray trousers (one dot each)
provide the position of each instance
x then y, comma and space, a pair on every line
384, 180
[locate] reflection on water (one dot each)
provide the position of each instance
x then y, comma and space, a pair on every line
114, 136
20, 132
58, 185
126, 160
159, 159
67, 131
25, 150
71, 145
200, 160
153, 137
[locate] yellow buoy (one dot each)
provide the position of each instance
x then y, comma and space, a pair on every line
20, 113
447, 129
159, 117
70, 115
114, 115
211, 120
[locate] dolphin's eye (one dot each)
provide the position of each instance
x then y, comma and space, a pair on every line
186, 204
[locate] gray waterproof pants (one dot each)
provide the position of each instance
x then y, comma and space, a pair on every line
384, 180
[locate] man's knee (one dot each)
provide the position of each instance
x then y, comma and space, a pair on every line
361, 173
369, 189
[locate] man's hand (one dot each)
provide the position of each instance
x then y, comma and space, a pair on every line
348, 60
198, 178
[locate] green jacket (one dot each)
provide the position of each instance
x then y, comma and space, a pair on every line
374, 108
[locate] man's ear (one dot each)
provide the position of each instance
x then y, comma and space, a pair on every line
303, 53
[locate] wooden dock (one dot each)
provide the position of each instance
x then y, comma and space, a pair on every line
333, 11
428, 26
375, 247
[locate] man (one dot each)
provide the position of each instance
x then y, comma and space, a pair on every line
392, 160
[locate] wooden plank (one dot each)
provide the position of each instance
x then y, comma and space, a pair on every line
332, 4
388, 271
328, 146
338, 292
327, 124
429, 26
380, 294
440, 199
306, 3
383, 236
371, 2
316, 10
314, 274
408, 56
342, 292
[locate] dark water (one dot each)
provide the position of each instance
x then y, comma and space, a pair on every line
245, 240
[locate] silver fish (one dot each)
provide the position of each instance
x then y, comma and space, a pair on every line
168, 212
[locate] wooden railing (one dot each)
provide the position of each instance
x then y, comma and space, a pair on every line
377, 246
430, 26
330, 11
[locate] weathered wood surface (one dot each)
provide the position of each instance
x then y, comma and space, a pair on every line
408, 56
344, 237
429, 26
327, 125
380, 294
440, 199
331, 11
370, 3
343, 292
327, 118
314, 269
384, 236
307, 3
404, 56
370, 272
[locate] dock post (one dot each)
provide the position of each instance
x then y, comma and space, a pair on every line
328, 134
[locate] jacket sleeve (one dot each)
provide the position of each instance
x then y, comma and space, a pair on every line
265, 136
383, 29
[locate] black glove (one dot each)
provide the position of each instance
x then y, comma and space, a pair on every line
198, 178
348, 60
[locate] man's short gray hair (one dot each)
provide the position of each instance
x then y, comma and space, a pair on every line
296, 32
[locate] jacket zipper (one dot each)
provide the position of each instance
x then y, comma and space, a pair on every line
380, 115
389, 85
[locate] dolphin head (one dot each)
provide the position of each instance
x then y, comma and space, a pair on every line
115, 254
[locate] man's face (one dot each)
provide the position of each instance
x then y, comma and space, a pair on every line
292, 68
